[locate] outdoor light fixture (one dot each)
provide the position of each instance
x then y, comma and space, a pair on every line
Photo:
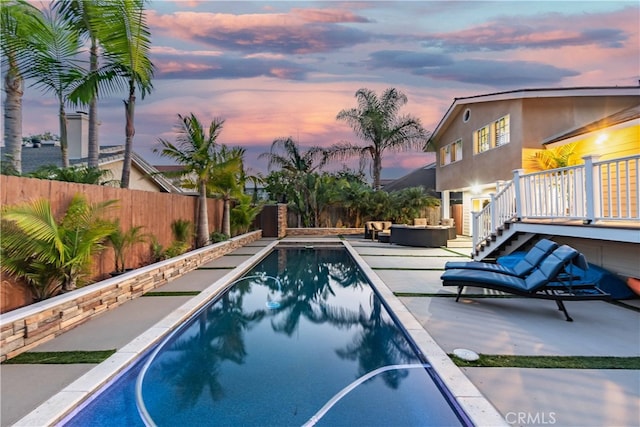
601, 138
475, 189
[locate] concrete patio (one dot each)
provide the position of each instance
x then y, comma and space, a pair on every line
509, 326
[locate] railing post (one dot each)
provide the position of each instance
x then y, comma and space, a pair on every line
591, 188
445, 200
475, 232
518, 193
493, 214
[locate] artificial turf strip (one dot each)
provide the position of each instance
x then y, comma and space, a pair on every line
171, 294
450, 295
59, 357
456, 252
550, 362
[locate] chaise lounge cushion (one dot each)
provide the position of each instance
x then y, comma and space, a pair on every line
525, 266
554, 279
548, 271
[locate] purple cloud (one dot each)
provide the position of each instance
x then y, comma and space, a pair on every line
499, 73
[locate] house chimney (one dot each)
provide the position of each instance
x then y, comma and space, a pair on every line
78, 135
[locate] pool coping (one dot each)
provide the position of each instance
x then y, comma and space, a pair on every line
475, 405
478, 409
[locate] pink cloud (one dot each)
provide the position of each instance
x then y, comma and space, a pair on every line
327, 15
174, 66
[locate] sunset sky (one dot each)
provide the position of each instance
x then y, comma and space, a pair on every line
275, 69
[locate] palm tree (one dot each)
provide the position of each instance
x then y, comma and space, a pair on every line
122, 29
122, 241
376, 121
298, 170
225, 180
51, 255
18, 21
53, 66
79, 13
286, 154
196, 151
558, 157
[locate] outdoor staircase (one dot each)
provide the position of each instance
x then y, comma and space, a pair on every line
505, 241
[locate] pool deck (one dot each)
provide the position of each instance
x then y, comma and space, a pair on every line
506, 326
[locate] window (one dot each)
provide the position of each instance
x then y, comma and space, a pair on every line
456, 150
492, 136
443, 155
451, 153
482, 141
502, 131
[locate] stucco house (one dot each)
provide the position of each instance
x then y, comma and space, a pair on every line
486, 149
482, 139
143, 176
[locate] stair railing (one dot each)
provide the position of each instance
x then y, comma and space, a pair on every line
606, 190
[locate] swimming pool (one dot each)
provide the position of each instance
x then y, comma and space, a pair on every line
301, 339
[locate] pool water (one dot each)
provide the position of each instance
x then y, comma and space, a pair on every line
276, 350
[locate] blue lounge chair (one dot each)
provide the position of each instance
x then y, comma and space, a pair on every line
551, 280
525, 266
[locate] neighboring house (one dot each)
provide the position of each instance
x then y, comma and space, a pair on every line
172, 173
482, 139
143, 176
424, 177
485, 146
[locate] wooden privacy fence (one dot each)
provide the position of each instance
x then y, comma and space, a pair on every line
153, 211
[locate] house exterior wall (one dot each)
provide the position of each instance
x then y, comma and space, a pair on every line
490, 166
618, 257
137, 179
532, 120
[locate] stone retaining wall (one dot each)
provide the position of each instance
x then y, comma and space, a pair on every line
322, 231
27, 327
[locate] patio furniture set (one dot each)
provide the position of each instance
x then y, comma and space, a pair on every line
419, 234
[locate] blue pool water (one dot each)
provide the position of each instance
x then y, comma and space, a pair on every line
276, 350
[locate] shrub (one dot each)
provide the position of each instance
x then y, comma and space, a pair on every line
217, 236
52, 255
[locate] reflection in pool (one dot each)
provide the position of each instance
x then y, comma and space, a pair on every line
302, 339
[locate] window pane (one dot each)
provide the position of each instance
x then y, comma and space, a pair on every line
502, 131
483, 139
458, 150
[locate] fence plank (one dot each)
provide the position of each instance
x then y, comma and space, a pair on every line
154, 211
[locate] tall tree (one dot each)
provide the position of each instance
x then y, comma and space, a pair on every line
377, 122
286, 154
298, 172
53, 66
226, 181
125, 37
18, 21
79, 14
196, 151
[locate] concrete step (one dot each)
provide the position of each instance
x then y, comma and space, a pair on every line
460, 242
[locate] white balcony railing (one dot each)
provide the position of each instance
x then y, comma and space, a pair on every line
593, 192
